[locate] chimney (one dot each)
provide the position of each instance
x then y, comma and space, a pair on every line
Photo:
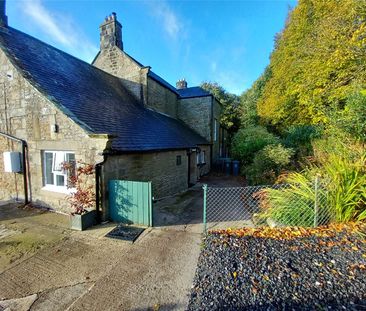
3, 17
110, 33
181, 84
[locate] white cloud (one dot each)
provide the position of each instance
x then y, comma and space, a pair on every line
68, 35
231, 80
173, 26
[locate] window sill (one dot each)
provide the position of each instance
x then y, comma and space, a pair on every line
61, 190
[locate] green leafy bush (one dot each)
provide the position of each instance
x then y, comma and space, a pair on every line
347, 187
352, 118
300, 137
295, 205
250, 140
341, 195
268, 164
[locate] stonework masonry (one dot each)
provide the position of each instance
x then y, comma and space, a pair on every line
196, 113
158, 167
133, 76
216, 109
27, 114
161, 99
111, 33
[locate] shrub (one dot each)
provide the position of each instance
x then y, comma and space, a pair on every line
294, 204
82, 196
268, 164
300, 137
341, 195
347, 187
352, 118
250, 140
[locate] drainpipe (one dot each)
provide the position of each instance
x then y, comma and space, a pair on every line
24, 160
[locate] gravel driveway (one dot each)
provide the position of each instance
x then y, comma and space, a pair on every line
315, 272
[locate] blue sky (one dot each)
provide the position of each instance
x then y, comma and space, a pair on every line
224, 41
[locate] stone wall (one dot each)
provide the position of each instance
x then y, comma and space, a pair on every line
196, 113
28, 115
204, 169
216, 143
197, 170
11, 184
158, 167
133, 76
161, 99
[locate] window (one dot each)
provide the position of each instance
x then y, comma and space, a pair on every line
215, 130
56, 177
203, 157
179, 160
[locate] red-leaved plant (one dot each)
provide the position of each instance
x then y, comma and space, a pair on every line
82, 196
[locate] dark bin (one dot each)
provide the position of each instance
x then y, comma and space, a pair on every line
235, 168
227, 167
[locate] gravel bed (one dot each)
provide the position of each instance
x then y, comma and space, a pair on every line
304, 273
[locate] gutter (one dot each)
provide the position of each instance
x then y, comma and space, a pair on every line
24, 160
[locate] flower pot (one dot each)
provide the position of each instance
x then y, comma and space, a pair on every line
81, 222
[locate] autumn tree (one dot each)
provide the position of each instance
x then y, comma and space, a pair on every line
318, 58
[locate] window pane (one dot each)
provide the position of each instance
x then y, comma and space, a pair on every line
59, 159
48, 168
71, 172
179, 160
60, 180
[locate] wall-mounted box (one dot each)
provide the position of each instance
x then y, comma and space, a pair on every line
12, 162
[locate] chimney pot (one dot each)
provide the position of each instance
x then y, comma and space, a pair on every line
181, 84
111, 33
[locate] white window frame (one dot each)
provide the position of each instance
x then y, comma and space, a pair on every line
53, 187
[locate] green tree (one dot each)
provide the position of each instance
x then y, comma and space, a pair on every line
248, 141
230, 117
249, 100
318, 57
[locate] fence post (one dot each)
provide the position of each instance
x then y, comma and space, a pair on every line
204, 187
316, 203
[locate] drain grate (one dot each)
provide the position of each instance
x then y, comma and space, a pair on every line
125, 233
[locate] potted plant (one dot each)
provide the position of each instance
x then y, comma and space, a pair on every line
82, 195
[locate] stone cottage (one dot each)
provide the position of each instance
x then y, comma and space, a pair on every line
114, 113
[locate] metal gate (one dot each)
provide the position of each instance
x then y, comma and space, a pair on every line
130, 202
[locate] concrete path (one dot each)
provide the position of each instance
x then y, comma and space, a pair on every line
86, 271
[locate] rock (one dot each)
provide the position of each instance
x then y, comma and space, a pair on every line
18, 304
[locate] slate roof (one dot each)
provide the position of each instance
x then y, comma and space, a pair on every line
160, 80
190, 92
94, 99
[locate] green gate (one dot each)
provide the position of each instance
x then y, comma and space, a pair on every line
130, 202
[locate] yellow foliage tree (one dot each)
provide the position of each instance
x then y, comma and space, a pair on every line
317, 60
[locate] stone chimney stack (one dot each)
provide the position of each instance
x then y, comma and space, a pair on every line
181, 84
110, 33
3, 17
